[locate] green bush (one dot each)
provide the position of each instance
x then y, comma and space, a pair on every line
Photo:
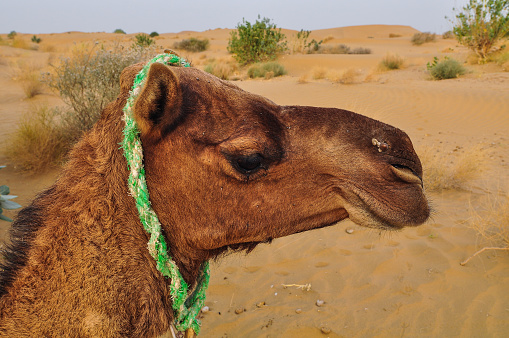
266, 70
482, 24
119, 31
154, 34
445, 69
5, 201
258, 42
35, 39
192, 45
12, 35
301, 44
143, 40
421, 38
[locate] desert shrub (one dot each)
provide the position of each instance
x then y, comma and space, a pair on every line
119, 31
222, 70
35, 39
39, 141
481, 24
143, 40
301, 44
154, 34
12, 35
334, 49
445, 69
393, 35
421, 38
192, 45
266, 70
361, 50
339, 49
88, 80
5, 201
391, 62
258, 42
448, 35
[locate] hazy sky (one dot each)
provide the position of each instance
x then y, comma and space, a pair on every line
56, 16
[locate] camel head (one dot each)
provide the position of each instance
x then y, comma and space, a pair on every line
229, 169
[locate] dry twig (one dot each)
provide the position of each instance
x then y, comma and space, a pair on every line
480, 251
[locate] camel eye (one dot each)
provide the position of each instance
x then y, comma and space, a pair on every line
248, 164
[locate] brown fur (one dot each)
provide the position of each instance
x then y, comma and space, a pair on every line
79, 264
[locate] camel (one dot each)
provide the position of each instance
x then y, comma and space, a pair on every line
226, 170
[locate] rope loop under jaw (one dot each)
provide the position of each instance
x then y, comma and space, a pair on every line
186, 303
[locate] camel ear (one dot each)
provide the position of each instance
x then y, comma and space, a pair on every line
158, 105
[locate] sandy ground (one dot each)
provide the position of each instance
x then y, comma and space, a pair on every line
407, 283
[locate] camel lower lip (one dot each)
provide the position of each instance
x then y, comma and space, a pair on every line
406, 174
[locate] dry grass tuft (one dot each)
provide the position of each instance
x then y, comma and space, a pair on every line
39, 142
421, 38
48, 48
349, 76
221, 70
303, 79
391, 62
501, 58
451, 170
20, 43
28, 75
393, 35
318, 73
328, 38
492, 225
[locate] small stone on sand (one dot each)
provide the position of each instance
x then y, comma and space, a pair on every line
298, 311
349, 231
239, 310
205, 309
325, 330
320, 302
260, 304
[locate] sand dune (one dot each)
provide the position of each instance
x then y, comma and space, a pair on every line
408, 283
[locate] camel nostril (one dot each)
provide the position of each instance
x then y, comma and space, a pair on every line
406, 174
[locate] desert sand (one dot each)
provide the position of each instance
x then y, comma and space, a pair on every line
369, 284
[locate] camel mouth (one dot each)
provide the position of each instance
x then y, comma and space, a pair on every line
375, 212
407, 174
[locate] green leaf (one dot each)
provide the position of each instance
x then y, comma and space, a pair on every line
5, 218
4, 190
9, 205
8, 197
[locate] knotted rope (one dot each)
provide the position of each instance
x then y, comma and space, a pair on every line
186, 305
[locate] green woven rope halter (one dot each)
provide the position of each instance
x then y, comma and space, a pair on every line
186, 306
